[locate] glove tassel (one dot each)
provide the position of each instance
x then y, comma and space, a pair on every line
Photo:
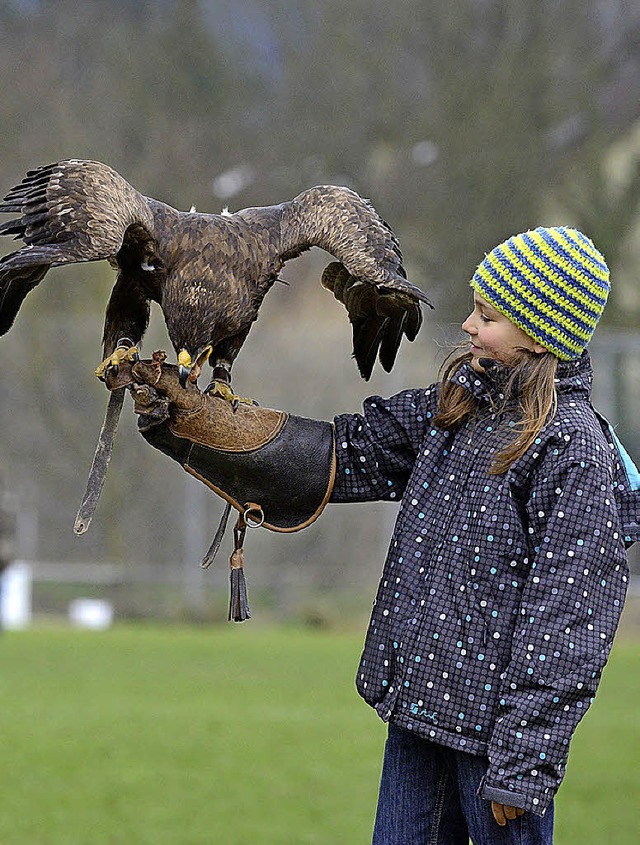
238, 604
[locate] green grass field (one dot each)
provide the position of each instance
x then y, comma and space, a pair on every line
185, 736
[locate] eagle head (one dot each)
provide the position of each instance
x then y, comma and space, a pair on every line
189, 370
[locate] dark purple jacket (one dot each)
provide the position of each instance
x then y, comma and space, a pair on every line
500, 594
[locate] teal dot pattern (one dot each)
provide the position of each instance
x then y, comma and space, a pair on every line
500, 595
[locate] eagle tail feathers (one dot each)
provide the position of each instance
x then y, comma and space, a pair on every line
413, 323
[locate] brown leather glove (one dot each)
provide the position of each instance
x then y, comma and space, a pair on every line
256, 458
276, 469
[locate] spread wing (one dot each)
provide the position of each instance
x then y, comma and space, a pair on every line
368, 277
70, 211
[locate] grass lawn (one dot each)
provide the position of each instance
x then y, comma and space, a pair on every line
241, 734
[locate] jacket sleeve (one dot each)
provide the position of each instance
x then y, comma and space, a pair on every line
569, 613
376, 450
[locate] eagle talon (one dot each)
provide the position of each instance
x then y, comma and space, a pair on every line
222, 389
116, 364
111, 363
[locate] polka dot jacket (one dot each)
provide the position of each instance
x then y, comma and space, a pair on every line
500, 594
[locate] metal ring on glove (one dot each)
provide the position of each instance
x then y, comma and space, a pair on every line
253, 516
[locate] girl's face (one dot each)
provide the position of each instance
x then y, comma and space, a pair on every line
494, 336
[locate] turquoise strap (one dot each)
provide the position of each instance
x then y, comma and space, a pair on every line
631, 469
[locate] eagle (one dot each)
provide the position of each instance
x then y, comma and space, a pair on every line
209, 273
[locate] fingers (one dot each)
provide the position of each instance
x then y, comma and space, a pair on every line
503, 812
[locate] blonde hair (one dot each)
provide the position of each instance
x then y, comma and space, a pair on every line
530, 385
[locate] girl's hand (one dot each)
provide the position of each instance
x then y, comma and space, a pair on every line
503, 812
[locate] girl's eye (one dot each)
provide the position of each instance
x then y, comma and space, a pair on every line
484, 318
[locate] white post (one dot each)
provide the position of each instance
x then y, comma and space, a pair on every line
15, 595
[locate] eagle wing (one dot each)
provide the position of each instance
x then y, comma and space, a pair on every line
368, 276
70, 211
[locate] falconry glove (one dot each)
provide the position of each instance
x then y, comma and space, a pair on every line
276, 469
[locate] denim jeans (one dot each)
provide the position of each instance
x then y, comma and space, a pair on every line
428, 797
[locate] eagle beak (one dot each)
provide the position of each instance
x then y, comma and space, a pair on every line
189, 370
201, 359
184, 367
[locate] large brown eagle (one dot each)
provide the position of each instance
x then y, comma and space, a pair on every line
208, 272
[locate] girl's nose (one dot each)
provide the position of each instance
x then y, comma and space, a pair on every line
468, 326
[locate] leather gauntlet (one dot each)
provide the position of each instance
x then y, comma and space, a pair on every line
275, 468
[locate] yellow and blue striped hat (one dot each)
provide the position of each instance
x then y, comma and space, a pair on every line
551, 282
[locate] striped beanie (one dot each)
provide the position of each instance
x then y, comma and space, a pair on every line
552, 283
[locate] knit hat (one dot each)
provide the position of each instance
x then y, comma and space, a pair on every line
552, 283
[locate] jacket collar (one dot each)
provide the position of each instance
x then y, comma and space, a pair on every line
572, 377
575, 376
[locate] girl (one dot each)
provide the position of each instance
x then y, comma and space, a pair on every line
506, 574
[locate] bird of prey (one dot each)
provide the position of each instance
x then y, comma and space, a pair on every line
208, 272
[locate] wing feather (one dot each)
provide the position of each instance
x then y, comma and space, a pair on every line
368, 277
367, 335
391, 316
69, 211
390, 342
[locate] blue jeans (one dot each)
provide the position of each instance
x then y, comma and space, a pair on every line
428, 797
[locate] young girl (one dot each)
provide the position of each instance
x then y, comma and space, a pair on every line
506, 574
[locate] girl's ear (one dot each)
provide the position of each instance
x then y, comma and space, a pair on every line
538, 349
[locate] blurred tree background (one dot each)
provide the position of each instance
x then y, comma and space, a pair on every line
464, 122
